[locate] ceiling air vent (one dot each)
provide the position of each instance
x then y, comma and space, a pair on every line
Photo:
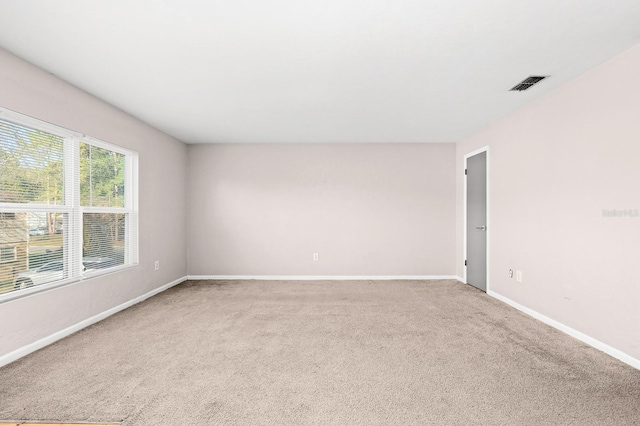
528, 82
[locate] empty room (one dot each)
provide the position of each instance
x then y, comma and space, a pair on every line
319, 213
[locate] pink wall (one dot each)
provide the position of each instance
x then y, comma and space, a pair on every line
29, 90
367, 210
555, 165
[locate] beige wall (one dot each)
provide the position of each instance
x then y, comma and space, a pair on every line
32, 91
555, 165
367, 210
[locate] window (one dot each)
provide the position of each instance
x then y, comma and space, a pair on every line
68, 205
52, 267
7, 254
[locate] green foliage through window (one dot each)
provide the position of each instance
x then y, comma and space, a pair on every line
31, 165
101, 177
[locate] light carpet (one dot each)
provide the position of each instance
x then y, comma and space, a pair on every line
321, 353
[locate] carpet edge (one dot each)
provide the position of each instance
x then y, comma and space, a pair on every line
322, 277
595, 343
58, 335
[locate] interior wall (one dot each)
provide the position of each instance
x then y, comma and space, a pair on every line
162, 174
555, 166
366, 209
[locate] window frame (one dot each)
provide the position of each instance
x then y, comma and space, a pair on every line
73, 211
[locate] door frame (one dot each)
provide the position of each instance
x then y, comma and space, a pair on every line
464, 212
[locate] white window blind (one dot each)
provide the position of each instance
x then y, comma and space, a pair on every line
7, 254
68, 206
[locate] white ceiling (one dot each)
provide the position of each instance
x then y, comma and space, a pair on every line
210, 71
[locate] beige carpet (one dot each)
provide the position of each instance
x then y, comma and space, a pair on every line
321, 353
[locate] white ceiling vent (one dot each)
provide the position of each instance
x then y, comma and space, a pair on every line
528, 82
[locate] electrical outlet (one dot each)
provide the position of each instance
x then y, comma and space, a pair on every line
510, 273
157, 265
315, 257
519, 276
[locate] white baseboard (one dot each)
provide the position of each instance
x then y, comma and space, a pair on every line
45, 341
627, 359
459, 278
322, 277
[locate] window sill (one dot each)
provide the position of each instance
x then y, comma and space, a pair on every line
19, 294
